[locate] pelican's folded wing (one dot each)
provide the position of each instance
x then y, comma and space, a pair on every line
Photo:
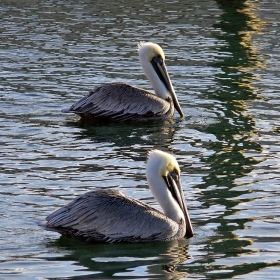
120, 102
111, 216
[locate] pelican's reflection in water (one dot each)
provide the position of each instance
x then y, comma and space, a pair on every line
156, 260
123, 141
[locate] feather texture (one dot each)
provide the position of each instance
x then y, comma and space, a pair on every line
89, 217
111, 101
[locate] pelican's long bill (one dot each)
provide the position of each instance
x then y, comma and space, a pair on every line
173, 183
160, 68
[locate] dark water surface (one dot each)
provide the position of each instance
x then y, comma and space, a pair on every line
223, 58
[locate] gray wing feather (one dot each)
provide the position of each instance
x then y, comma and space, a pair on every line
120, 101
111, 216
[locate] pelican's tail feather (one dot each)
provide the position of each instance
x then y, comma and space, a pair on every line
66, 110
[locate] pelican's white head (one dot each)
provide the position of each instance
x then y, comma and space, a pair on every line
152, 61
148, 50
162, 163
163, 175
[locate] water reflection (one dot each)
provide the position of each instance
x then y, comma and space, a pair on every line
154, 134
240, 23
234, 131
154, 260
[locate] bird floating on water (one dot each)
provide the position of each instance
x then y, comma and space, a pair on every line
121, 102
111, 216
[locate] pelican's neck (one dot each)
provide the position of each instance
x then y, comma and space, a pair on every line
161, 193
158, 86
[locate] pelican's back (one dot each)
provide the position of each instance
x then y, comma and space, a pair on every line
110, 216
121, 102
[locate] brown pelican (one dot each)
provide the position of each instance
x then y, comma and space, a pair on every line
111, 216
120, 101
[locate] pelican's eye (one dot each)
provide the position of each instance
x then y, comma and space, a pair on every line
175, 175
158, 59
